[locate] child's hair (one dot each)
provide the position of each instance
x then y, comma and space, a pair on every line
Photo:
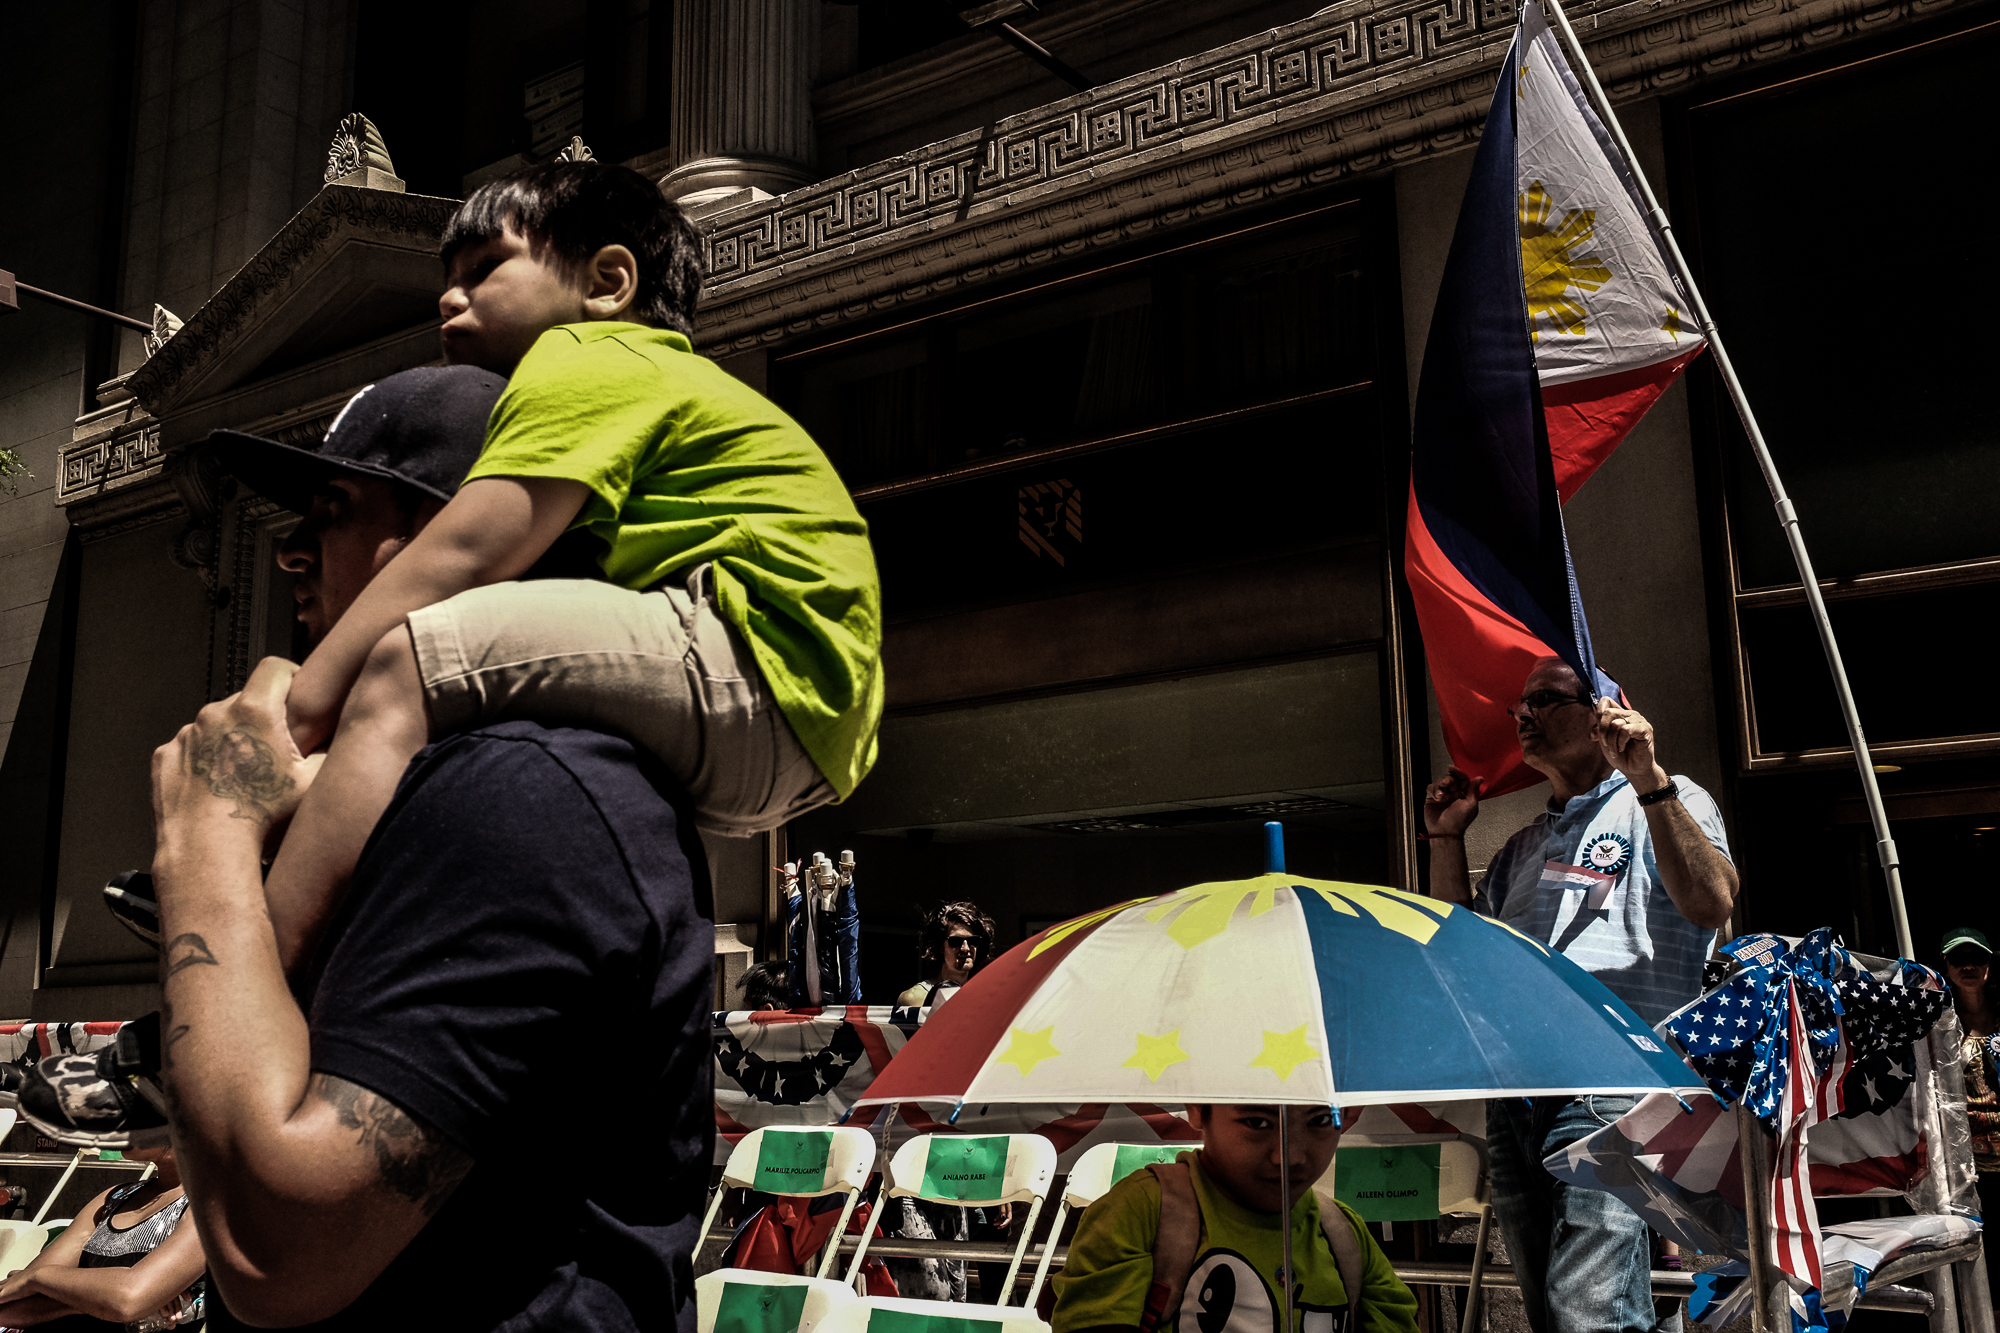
575, 209
937, 926
766, 984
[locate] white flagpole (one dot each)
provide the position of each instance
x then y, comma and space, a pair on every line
1885, 845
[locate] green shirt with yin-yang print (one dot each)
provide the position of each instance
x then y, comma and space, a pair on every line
1233, 1287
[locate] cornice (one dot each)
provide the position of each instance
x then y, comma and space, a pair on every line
1357, 88
334, 215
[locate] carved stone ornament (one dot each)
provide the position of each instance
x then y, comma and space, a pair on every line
577, 151
1357, 89
165, 324
358, 156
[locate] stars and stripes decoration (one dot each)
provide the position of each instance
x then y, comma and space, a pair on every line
1736, 1036
1812, 1037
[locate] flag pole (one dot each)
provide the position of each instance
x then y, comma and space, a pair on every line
1788, 517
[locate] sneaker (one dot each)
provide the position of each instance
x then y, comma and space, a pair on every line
130, 897
110, 1098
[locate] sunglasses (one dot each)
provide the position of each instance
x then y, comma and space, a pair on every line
1542, 700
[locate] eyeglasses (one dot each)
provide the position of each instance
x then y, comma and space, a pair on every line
1542, 700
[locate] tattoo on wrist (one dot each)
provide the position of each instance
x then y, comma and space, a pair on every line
414, 1160
185, 951
240, 766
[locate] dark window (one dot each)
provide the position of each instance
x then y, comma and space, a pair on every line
1854, 302
1212, 398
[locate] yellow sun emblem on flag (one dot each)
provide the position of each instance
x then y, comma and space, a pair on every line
1551, 264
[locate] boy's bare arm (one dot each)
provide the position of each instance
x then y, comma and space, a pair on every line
493, 530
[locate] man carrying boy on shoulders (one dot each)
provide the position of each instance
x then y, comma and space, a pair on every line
1194, 1246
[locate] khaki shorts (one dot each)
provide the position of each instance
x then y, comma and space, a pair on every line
661, 668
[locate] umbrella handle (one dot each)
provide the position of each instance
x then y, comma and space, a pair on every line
1285, 1168
1048, 1249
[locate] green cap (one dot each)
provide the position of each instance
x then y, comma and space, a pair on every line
1958, 935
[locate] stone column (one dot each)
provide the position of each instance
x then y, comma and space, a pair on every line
742, 109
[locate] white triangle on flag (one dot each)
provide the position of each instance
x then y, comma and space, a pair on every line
1601, 296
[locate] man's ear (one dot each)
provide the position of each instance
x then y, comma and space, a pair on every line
611, 283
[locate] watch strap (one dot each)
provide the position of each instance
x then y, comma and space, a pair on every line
1668, 792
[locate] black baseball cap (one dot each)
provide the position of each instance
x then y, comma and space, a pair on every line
423, 427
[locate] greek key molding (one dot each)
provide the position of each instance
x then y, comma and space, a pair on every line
1355, 89
332, 215
108, 463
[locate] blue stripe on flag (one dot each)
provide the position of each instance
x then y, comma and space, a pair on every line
1483, 476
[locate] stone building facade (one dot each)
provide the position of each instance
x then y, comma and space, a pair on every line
1121, 377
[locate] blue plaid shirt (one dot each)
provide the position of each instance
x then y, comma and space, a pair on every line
1636, 942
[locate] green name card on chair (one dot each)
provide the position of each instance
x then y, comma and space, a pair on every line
792, 1163
1138, 1156
967, 1168
1388, 1184
750, 1307
902, 1321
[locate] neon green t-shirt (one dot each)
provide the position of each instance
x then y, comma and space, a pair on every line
1110, 1268
685, 464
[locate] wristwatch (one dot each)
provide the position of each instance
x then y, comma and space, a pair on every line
1665, 793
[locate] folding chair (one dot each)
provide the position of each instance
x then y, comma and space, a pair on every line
974, 1171
1100, 1167
1409, 1178
742, 1300
800, 1164
892, 1314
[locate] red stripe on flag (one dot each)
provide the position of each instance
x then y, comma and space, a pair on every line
1587, 418
944, 1055
1478, 655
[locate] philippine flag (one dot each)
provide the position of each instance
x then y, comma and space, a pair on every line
1558, 324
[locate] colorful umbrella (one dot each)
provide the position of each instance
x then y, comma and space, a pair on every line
1279, 989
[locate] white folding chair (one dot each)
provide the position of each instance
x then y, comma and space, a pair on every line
892, 1314
743, 1300
973, 1171
1091, 1179
800, 1163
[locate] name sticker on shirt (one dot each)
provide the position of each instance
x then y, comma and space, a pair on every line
1595, 885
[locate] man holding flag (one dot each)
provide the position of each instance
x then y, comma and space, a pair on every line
1558, 324
1628, 874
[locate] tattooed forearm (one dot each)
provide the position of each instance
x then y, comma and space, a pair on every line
414, 1159
186, 951
240, 766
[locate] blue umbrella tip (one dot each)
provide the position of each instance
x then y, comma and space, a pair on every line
843, 1116
952, 1119
1274, 848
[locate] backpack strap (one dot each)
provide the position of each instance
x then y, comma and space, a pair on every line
1347, 1258
1174, 1246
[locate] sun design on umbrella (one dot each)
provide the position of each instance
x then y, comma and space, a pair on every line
1551, 264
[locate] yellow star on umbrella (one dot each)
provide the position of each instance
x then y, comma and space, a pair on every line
1156, 1055
1285, 1051
1027, 1050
